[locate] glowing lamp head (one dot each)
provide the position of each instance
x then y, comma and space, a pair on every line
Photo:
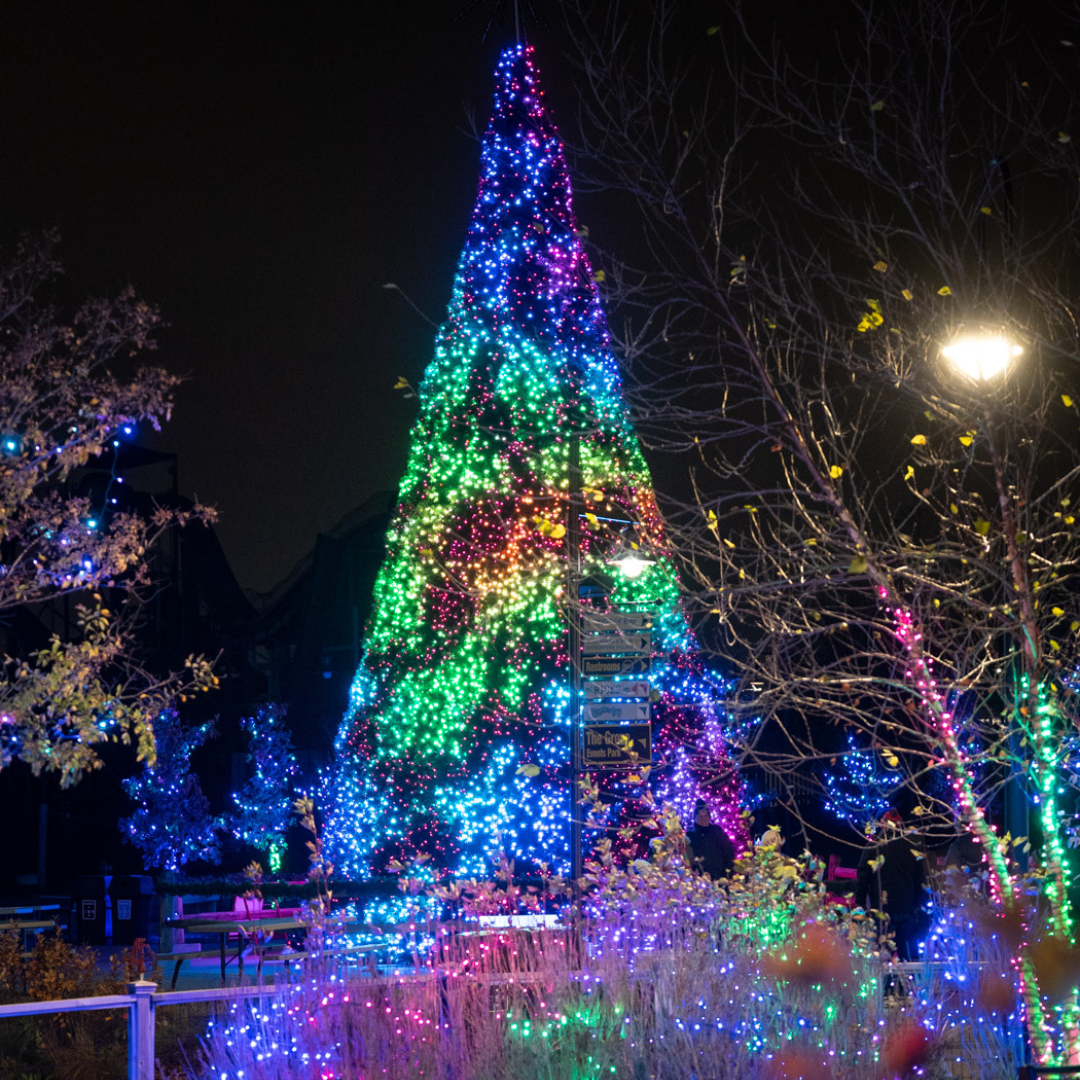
632, 565
982, 357
630, 559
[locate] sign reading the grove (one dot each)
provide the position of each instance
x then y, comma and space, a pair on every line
622, 746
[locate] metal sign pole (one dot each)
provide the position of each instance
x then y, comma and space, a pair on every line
573, 585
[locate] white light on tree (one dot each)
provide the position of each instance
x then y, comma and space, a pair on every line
981, 356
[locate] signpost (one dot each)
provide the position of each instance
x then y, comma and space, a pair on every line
621, 688
611, 712
598, 644
610, 644
616, 665
623, 746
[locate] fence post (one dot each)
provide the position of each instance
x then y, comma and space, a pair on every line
141, 1031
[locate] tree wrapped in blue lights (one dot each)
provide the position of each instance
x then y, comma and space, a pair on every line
172, 824
264, 804
456, 740
859, 788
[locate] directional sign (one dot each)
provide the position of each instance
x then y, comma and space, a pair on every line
611, 746
591, 589
608, 622
600, 712
609, 644
616, 665
605, 688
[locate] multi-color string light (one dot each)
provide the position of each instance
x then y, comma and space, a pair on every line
465, 675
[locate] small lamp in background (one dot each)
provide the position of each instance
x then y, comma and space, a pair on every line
630, 558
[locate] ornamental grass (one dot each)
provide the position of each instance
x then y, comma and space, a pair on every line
653, 973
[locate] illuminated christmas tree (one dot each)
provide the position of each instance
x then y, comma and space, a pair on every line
859, 788
264, 805
172, 824
456, 741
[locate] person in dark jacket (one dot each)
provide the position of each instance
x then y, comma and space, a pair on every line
892, 879
711, 851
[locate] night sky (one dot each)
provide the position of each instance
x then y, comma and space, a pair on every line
260, 173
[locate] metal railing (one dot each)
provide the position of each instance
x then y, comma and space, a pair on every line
142, 1001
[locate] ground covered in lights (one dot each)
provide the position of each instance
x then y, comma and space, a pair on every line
675, 979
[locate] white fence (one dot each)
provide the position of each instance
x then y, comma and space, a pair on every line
141, 1001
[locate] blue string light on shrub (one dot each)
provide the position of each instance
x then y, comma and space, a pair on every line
172, 824
858, 789
264, 804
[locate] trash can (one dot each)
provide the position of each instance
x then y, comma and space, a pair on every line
132, 897
89, 902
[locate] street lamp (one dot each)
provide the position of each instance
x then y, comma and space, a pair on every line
631, 560
982, 356
985, 356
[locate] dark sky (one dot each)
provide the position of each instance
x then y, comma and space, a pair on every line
260, 172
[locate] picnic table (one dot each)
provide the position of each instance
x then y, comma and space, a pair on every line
27, 926
249, 931
27, 909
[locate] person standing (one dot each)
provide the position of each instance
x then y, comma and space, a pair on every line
711, 850
892, 878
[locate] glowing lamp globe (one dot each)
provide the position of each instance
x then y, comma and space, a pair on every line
630, 560
981, 357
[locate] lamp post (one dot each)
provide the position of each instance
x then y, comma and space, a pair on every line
573, 600
631, 560
985, 358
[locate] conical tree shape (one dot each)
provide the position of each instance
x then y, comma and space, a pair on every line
456, 741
